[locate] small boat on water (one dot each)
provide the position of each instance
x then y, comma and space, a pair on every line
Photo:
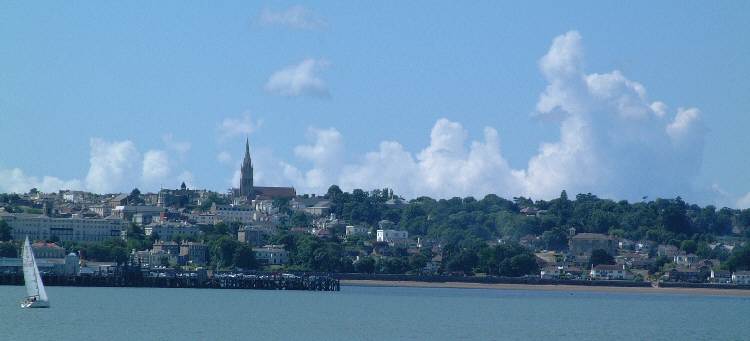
36, 296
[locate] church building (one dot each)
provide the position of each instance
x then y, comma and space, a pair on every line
249, 191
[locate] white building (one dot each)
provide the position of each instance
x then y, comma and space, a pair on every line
352, 230
232, 213
392, 236
271, 254
41, 227
203, 218
741, 277
166, 231
127, 212
609, 272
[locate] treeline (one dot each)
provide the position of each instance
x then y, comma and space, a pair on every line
666, 221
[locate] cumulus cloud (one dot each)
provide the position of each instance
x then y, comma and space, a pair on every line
294, 17
298, 80
224, 157
111, 165
237, 126
156, 166
114, 166
181, 147
613, 141
744, 201
16, 181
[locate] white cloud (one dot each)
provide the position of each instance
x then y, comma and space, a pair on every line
744, 201
684, 122
187, 178
300, 79
613, 141
112, 165
156, 166
241, 126
294, 17
15, 181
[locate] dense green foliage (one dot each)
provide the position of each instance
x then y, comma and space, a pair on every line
600, 256
8, 249
5, 231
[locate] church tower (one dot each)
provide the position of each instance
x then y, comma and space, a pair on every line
246, 179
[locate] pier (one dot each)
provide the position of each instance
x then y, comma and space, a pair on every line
199, 279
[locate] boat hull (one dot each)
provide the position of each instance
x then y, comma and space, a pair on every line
34, 304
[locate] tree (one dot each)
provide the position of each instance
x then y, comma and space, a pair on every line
244, 257
555, 239
689, 246
8, 249
365, 265
5, 231
600, 256
519, 265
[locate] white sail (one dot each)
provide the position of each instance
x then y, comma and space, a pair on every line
31, 275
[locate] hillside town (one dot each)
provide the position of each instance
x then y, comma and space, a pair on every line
276, 229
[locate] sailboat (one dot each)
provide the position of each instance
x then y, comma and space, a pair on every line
36, 295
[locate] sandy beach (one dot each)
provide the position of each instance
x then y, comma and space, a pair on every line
541, 287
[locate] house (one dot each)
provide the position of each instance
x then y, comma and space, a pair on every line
551, 272
352, 230
319, 209
720, 276
666, 251
741, 277
686, 275
196, 253
250, 235
685, 259
583, 244
610, 272
271, 255
392, 236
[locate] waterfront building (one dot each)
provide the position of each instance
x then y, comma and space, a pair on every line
720, 276
271, 255
392, 236
686, 275
741, 277
47, 250
195, 253
610, 272
41, 227
583, 244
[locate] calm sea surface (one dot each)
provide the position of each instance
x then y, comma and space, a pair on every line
369, 313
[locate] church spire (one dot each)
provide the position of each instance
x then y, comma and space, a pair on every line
247, 147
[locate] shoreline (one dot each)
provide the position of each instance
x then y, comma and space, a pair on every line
549, 287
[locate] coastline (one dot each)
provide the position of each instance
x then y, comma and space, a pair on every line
549, 287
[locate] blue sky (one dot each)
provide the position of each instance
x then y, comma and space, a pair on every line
108, 97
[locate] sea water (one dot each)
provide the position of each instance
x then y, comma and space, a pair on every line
370, 313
